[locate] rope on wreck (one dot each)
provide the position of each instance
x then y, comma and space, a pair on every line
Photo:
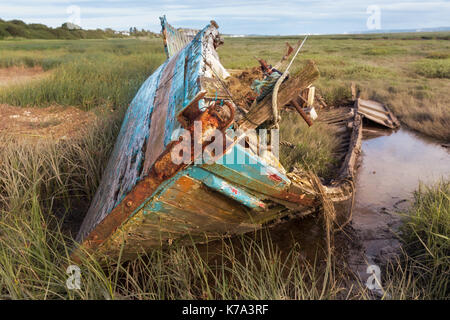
222, 84
329, 214
276, 117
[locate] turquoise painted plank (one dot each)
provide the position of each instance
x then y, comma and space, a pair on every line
231, 191
240, 165
194, 63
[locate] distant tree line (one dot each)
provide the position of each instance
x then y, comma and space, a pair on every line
19, 29
141, 33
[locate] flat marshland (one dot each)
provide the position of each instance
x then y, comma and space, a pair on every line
408, 72
46, 184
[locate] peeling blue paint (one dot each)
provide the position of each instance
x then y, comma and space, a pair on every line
246, 182
246, 167
176, 99
218, 184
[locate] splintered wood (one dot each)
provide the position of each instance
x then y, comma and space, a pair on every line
289, 90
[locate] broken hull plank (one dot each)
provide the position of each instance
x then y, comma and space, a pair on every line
146, 200
288, 91
377, 112
182, 209
175, 39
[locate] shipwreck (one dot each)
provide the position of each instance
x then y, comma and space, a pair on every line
147, 198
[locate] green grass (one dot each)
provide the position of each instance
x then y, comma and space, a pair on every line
46, 186
35, 247
312, 146
423, 270
41, 187
387, 67
436, 68
86, 74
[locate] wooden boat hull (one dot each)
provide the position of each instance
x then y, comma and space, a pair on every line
147, 199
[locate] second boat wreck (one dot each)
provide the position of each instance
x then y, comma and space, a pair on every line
149, 198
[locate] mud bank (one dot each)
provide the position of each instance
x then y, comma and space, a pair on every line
55, 122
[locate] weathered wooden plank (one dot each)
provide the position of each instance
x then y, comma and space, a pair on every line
123, 168
163, 219
212, 205
155, 142
175, 39
194, 63
377, 112
176, 98
288, 91
167, 214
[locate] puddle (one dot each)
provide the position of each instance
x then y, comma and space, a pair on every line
392, 165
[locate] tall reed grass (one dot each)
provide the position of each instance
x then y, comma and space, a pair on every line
42, 184
311, 148
422, 270
46, 187
88, 74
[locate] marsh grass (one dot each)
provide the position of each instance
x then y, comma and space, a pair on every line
86, 74
33, 266
409, 72
433, 68
46, 186
40, 183
422, 271
312, 147
54, 172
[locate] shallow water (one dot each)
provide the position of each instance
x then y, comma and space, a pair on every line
392, 166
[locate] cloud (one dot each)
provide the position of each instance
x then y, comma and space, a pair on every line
251, 16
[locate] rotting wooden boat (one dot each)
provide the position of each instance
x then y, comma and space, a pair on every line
147, 199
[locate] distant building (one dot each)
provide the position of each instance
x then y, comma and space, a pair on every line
70, 26
123, 33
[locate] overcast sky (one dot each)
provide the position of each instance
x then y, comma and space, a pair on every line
236, 17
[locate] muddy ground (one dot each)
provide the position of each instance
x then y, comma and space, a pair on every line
18, 75
54, 122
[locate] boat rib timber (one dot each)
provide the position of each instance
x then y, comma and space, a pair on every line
147, 199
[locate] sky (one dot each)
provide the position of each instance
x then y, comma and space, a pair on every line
268, 17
